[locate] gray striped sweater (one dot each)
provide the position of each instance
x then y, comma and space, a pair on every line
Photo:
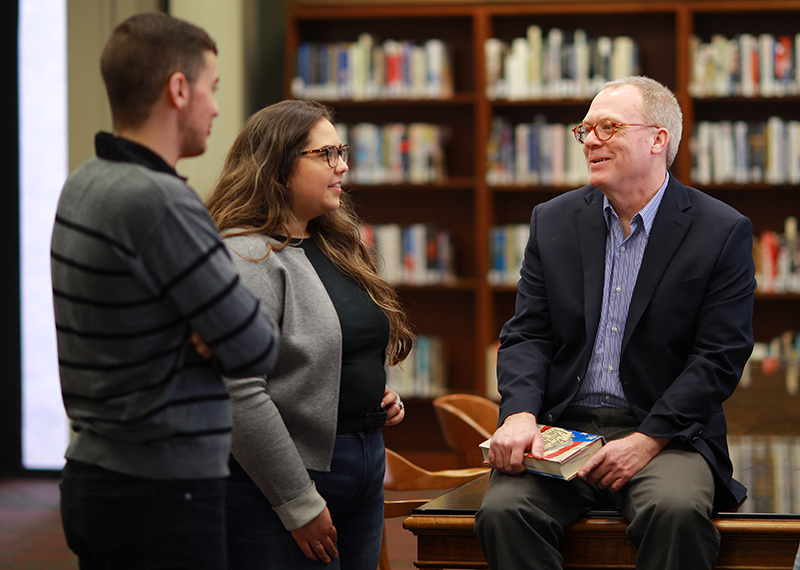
137, 265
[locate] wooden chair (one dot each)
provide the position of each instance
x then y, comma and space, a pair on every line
402, 475
466, 421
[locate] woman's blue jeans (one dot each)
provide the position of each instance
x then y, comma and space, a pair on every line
257, 540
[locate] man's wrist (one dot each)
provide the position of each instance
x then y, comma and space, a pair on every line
657, 443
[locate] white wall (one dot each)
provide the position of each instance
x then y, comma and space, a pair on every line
224, 21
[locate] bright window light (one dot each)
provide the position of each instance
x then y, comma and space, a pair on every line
43, 169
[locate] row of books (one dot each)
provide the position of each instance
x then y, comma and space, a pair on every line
746, 152
396, 153
424, 373
551, 65
418, 254
541, 153
537, 153
506, 249
769, 466
555, 65
367, 69
746, 65
777, 259
776, 255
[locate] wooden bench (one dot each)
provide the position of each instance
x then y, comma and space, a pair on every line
445, 539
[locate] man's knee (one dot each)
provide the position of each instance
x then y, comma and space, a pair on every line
494, 515
517, 518
679, 511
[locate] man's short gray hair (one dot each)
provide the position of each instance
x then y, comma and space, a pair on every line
659, 107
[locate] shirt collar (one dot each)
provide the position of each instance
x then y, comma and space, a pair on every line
119, 149
647, 214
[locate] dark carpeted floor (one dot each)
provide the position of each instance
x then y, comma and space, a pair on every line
31, 537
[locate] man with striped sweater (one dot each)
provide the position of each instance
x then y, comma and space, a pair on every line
149, 314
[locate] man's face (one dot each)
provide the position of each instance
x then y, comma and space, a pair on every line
195, 123
624, 159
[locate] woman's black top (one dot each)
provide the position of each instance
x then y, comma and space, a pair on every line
365, 334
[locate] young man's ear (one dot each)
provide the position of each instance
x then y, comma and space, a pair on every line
178, 90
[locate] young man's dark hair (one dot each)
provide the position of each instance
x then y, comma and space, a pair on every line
141, 55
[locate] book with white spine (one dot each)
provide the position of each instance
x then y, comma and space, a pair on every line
534, 36
493, 50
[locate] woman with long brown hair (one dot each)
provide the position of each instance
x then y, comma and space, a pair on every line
307, 452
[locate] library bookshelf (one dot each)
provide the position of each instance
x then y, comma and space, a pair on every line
468, 312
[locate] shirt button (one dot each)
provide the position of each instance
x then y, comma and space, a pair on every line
618, 289
610, 368
613, 329
607, 398
622, 249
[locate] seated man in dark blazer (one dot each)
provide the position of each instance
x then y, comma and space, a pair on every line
633, 320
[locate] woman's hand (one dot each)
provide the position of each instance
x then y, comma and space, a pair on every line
395, 409
317, 538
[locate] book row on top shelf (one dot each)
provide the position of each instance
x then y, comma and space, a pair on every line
544, 50
533, 67
540, 65
745, 66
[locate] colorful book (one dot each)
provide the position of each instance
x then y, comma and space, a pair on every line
565, 452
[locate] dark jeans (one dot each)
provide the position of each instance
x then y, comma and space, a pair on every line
353, 490
125, 523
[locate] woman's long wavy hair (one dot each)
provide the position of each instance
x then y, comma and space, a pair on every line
252, 196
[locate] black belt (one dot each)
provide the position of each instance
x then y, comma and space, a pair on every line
373, 420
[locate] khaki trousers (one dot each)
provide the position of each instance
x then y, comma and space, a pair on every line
668, 506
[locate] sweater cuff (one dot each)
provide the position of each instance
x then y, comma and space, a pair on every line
302, 510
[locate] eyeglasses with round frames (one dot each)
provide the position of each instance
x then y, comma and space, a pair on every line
332, 153
603, 130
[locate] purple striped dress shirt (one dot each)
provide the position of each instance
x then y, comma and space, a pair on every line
602, 386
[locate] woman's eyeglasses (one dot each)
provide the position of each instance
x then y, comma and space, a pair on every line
603, 130
332, 153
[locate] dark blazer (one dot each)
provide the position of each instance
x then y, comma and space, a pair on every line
689, 327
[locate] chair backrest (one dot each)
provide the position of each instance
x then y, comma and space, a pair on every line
403, 475
466, 421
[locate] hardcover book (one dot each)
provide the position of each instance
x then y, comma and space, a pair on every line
565, 452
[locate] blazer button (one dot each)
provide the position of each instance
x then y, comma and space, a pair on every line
548, 418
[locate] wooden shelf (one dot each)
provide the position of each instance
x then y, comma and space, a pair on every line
450, 183
456, 99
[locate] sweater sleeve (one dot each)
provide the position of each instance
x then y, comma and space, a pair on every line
196, 274
261, 441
